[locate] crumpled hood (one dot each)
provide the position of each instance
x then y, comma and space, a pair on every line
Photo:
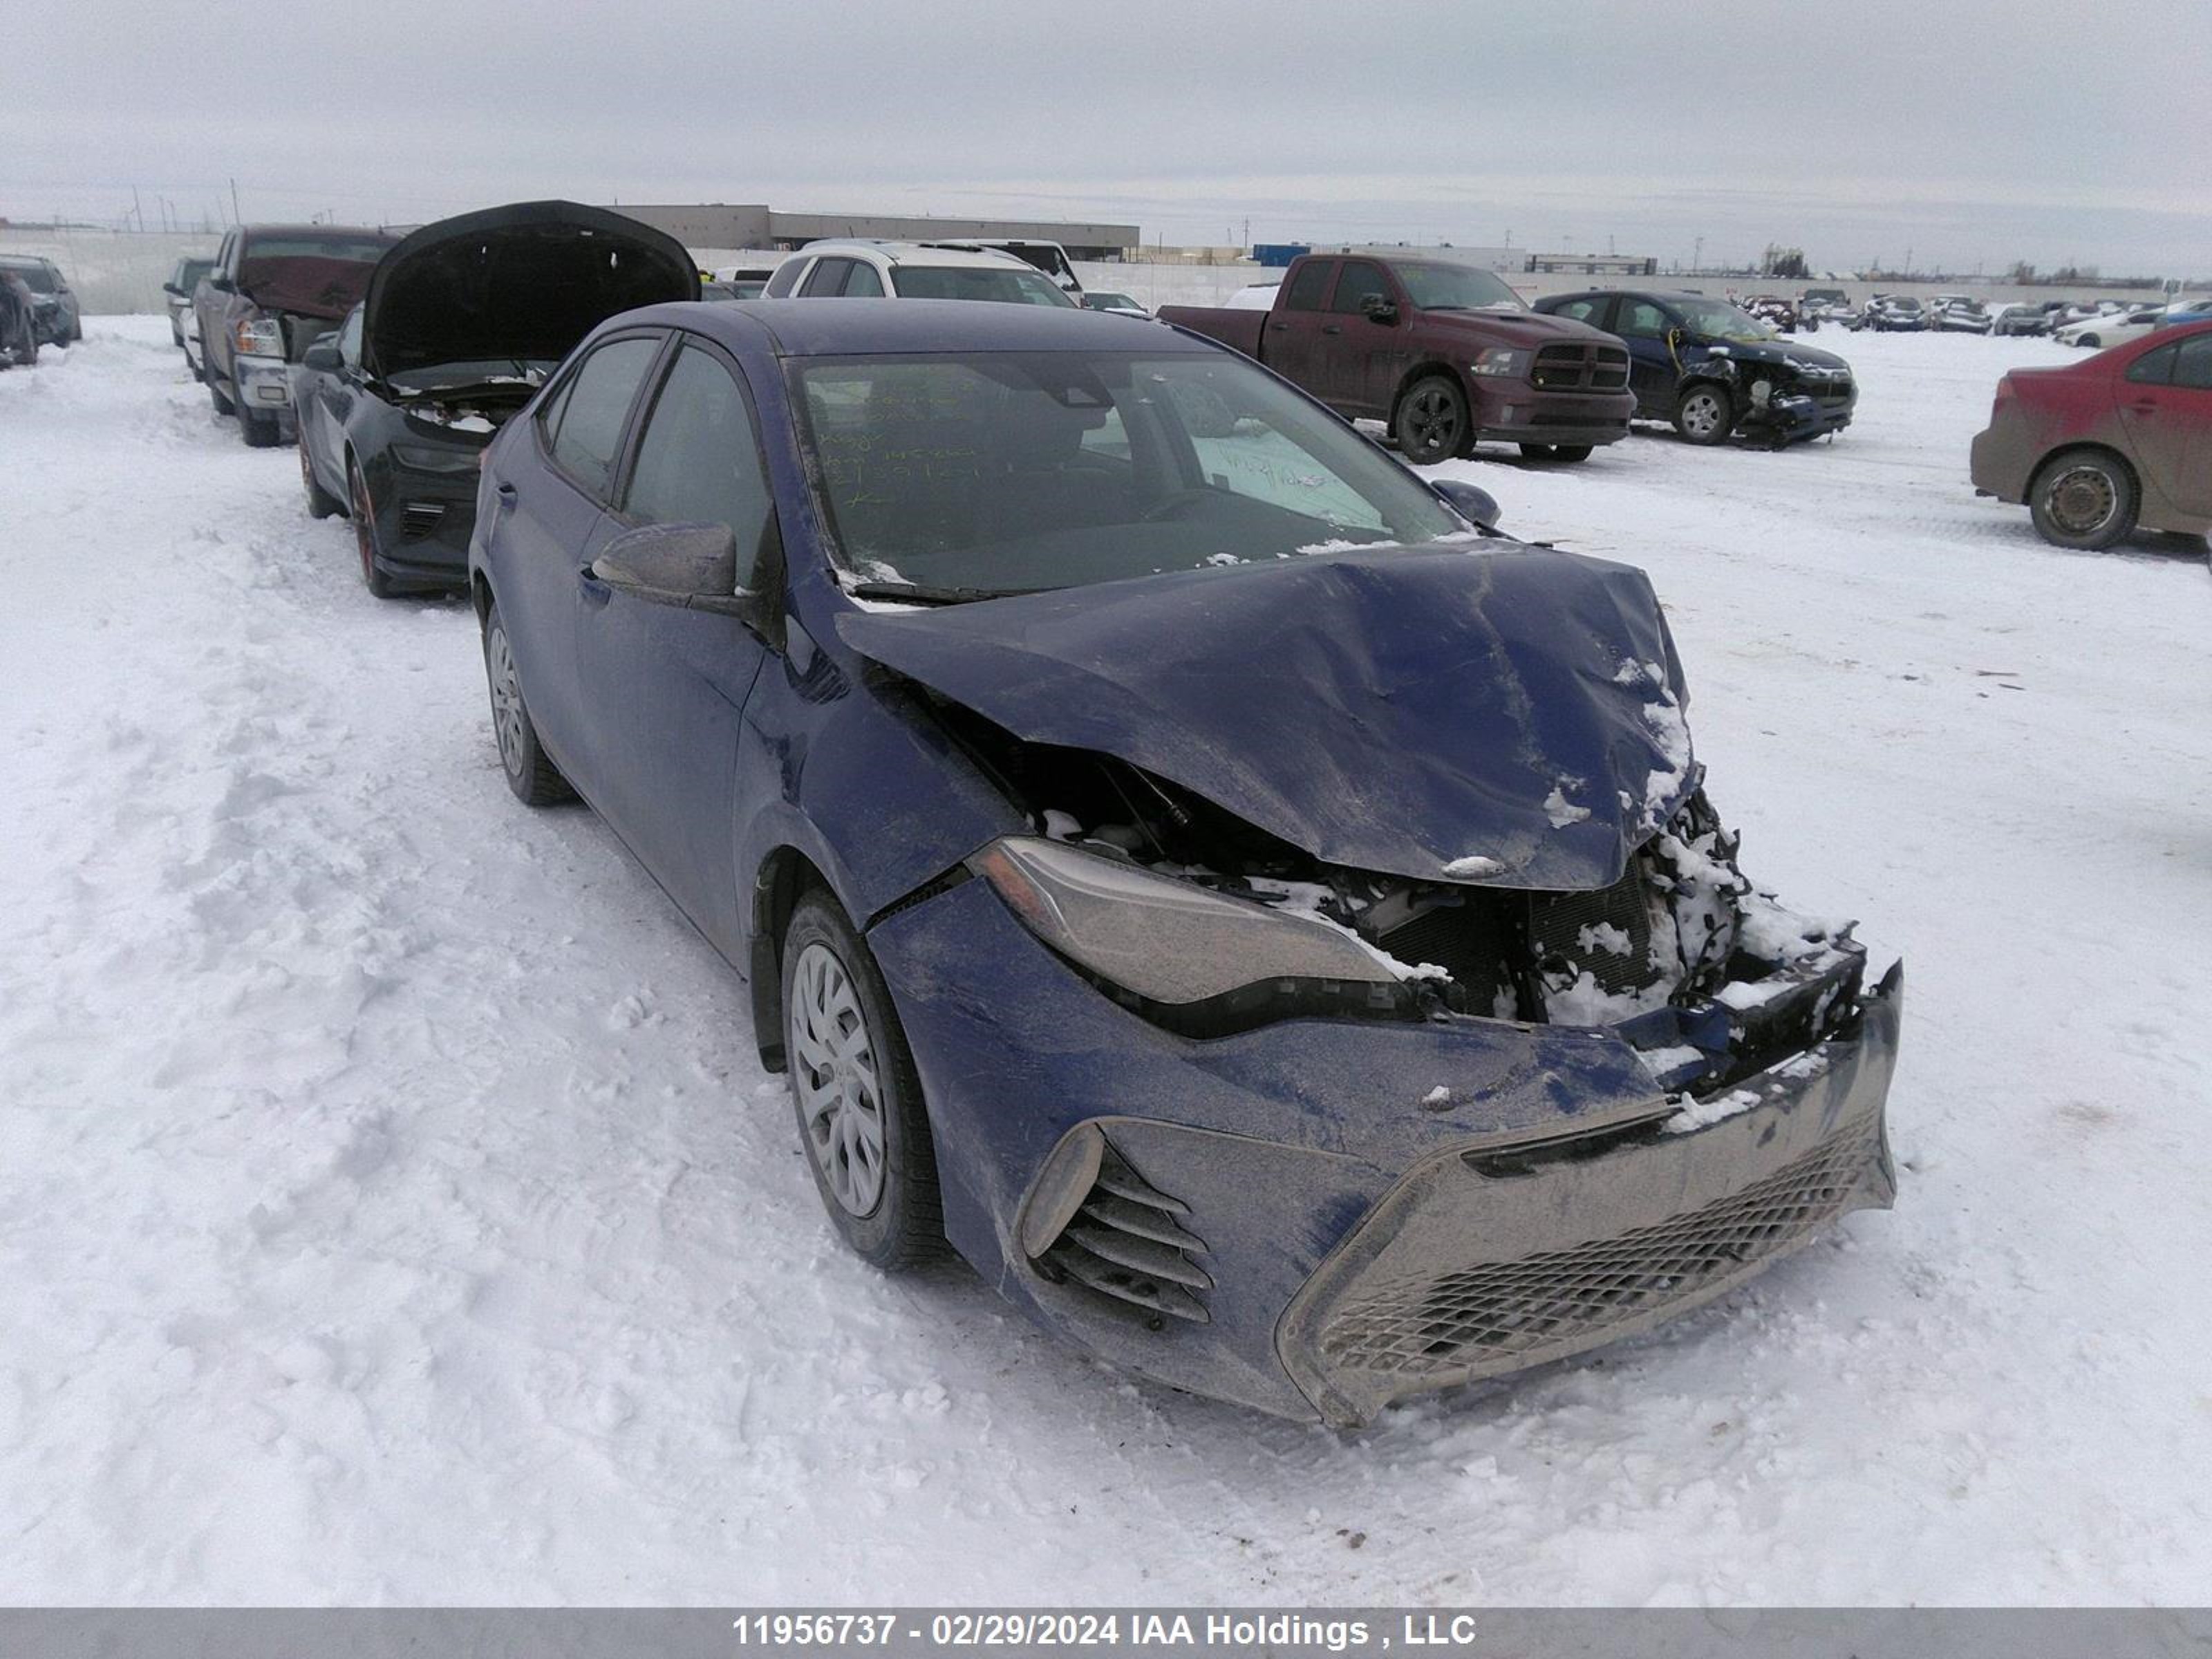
1501, 715
523, 283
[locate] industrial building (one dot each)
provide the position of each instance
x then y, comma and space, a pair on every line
717, 225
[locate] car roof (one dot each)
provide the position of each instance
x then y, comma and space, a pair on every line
824, 328
27, 262
251, 231
919, 253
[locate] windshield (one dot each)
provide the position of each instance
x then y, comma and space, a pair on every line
1455, 288
962, 475
37, 278
1716, 320
363, 250
976, 282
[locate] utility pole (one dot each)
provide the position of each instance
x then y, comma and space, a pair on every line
137, 212
236, 218
1698, 257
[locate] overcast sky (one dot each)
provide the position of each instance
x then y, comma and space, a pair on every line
1969, 131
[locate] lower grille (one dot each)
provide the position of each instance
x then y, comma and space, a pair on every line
418, 518
1127, 1244
1483, 1316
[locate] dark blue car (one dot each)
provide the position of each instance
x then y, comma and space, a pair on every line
1270, 926
1714, 371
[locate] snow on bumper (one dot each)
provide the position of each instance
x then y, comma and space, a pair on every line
1278, 1205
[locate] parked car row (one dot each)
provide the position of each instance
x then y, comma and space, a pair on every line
1450, 1040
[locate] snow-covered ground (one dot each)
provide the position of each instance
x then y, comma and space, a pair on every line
392, 1208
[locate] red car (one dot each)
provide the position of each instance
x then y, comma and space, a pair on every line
2098, 447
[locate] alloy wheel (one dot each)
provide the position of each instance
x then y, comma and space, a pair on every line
834, 1071
506, 700
1701, 414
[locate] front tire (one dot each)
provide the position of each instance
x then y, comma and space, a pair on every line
856, 1095
1569, 454
363, 511
530, 771
1705, 414
1430, 421
259, 431
2084, 499
215, 393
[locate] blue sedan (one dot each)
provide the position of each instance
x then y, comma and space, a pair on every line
1267, 921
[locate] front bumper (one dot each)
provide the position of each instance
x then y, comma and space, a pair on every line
425, 513
1791, 416
1516, 411
1346, 1185
263, 385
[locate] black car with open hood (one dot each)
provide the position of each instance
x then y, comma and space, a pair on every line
462, 322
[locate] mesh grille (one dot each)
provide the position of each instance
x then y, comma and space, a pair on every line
1609, 932
1495, 1311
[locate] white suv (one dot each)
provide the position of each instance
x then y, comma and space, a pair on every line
855, 268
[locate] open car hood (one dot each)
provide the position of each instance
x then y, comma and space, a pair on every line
1504, 716
525, 281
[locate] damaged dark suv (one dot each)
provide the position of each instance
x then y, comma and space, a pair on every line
1273, 928
1714, 371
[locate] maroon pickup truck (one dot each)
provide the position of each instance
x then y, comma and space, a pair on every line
1446, 353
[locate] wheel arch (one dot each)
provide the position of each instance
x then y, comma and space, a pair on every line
1431, 369
2085, 446
786, 876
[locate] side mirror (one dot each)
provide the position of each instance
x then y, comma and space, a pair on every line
324, 355
693, 567
1378, 307
1471, 501
171, 288
219, 283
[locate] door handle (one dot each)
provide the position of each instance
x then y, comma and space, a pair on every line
2144, 406
507, 493
1331, 328
596, 592
1279, 327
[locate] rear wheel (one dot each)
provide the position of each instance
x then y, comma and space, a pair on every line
2084, 498
857, 1097
1705, 413
363, 511
321, 503
530, 772
1430, 421
1571, 453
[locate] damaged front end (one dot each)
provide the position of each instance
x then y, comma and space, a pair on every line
1315, 1131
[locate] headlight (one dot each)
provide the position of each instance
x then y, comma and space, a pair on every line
259, 336
1500, 359
1761, 392
1171, 942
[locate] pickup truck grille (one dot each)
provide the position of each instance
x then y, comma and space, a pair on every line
1581, 368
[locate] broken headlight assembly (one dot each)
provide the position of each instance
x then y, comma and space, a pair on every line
1189, 958
258, 336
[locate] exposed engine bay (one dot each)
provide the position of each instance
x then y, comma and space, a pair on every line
1683, 956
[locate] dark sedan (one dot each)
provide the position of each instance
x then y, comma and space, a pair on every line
462, 323
1714, 371
1272, 928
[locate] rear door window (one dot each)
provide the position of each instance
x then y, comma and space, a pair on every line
2154, 367
1310, 287
1592, 310
780, 284
1641, 320
594, 411
2192, 363
828, 277
861, 283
